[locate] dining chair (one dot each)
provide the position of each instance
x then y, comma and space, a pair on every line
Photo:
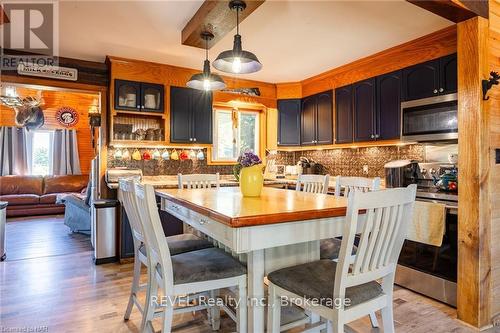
177, 243
194, 181
184, 274
345, 291
330, 248
313, 183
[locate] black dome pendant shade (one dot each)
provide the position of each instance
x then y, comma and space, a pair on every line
237, 60
206, 80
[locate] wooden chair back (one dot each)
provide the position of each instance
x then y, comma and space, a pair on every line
386, 215
127, 197
198, 180
350, 184
156, 244
313, 183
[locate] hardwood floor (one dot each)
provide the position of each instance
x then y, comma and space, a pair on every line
50, 281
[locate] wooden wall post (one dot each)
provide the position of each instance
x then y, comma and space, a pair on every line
474, 261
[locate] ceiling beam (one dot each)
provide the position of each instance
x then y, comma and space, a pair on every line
455, 10
216, 17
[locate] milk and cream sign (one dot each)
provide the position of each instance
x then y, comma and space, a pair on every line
51, 72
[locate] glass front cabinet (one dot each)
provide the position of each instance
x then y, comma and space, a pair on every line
139, 96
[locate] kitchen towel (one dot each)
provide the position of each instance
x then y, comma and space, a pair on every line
428, 225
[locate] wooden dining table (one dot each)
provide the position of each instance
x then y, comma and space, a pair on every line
280, 228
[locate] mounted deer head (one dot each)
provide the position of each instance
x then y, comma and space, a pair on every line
28, 110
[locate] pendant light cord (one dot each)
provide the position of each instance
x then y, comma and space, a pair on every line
206, 48
238, 20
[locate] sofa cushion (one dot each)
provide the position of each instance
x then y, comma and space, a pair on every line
21, 199
21, 185
48, 198
73, 200
68, 183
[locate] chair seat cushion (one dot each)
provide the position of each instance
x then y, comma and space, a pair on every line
315, 280
183, 243
330, 248
205, 265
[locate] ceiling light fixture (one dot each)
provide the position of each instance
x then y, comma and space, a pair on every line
206, 80
237, 60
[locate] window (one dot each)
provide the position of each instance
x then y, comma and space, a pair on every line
234, 132
41, 159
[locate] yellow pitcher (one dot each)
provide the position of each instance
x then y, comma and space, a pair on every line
251, 180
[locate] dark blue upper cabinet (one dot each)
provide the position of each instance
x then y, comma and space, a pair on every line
202, 116
190, 115
388, 118
289, 122
180, 114
127, 95
308, 121
343, 114
316, 119
364, 110
324, 118
139, 96
421, 81
431, 78
152, 97
448, 74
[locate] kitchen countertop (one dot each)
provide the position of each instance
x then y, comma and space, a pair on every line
167, 182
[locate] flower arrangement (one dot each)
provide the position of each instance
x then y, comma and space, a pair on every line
247, 159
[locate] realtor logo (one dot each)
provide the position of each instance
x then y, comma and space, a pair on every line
32, 28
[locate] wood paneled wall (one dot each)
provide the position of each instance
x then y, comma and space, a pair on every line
493, 107
432, 46
55, 99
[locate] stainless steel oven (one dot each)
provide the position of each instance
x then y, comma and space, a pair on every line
430, 119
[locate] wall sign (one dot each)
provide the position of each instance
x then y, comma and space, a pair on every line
67, 116
52, 72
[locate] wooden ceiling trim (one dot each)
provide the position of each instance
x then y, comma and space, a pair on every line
454, 10
217, 17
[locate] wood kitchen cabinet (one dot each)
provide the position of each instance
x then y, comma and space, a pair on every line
364, 110
388, 111
316, 119
190, 115
343, 114
289, 122
431, 78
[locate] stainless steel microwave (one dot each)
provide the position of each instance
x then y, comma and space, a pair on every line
430, 119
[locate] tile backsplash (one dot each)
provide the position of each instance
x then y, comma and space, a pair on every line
345, 161
168, 167
350, 161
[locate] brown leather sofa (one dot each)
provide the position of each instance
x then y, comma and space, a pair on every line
36, 195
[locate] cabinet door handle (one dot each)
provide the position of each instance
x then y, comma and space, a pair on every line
373, 136
435, 91
194, 139
377, 136
278, 142
441, 89
190, 139
138, 106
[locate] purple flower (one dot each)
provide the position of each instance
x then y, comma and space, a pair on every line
248, 159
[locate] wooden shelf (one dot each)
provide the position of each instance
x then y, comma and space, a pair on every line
140, 113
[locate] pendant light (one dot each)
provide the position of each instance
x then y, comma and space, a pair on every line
237, 60
206, 80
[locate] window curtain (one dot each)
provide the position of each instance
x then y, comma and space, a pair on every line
65, 159
15, 151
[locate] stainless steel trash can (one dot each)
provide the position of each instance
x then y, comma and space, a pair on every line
104, 230
3, 220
